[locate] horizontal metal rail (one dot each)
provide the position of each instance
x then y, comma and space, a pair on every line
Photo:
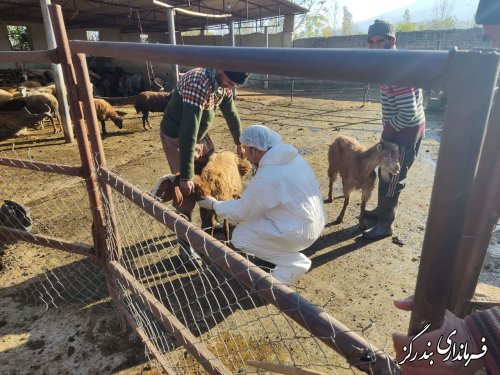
29, 56
147, 341
395, 67
42, 166
314, 319
55, 243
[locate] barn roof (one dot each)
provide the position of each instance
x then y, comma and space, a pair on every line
129, 16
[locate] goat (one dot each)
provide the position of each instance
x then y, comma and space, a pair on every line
105, 111
151, 101
356, 165
221, 178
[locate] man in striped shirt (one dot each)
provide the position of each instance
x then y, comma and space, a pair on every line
403, 120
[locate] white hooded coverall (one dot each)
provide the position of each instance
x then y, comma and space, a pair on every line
280, 213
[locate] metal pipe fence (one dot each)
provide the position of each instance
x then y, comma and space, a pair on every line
229, 311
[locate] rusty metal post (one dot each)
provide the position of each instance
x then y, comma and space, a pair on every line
463, 132
480, 219
85, 93
80, 127
99, 230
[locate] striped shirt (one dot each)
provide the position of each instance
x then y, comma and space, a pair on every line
402, 107
486, 324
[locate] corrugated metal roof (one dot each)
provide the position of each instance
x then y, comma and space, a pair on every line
127, 15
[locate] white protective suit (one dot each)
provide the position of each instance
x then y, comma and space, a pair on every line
281, 213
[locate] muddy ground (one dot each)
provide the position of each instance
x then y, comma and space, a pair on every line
355, 279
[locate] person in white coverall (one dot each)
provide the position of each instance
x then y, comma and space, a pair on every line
281, 212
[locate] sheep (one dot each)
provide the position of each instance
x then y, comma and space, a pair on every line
38, 103
151, 101
221, 178
105, 111
5, 95
14, 215
356, 165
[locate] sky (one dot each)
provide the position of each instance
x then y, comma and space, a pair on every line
364, 9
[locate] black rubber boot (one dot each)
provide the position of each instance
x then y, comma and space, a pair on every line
370, 218
387, 207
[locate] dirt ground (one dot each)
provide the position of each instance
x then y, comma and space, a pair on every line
354, 279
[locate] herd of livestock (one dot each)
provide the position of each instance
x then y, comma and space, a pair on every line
30, 104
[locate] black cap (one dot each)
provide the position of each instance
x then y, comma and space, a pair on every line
488, 12
237, 77
380, 27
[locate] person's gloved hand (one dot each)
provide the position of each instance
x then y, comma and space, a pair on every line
435, 350
207, 202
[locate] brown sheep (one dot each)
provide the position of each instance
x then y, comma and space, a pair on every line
39, 103
151, 101
105, 111
5, 95
356, 165
221, 178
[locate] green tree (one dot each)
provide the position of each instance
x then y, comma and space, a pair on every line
19, 38
347, 22
443, 18
302, 22
406, 25
314, 25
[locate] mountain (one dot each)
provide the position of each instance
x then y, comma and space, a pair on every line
424, 10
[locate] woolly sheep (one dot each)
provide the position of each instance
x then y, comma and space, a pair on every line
356, 165
105, 111
5, 95
38, 103
151, 101
221, 178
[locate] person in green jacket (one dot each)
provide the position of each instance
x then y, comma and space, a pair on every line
187, 120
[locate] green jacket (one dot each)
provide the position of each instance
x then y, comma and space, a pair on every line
190, 113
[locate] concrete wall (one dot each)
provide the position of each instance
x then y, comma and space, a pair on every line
423, 40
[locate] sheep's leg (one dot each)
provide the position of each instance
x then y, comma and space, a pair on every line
52, 122
59, 121
145, 119
332, 174
226, 227
213, 221
341, 215
103, 126
330, 186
